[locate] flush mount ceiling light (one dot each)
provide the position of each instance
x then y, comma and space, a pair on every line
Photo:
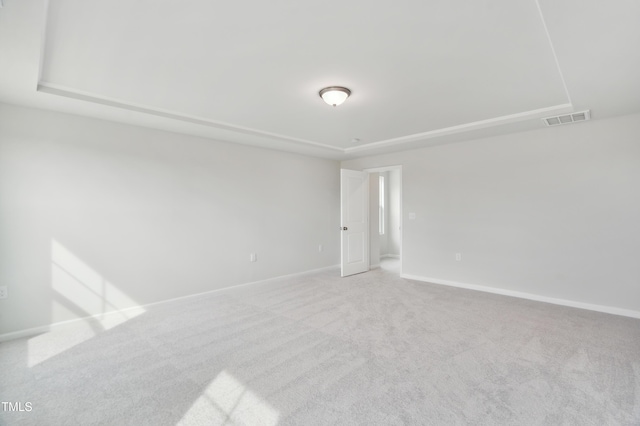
335, 95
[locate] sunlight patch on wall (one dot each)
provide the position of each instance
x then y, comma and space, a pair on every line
227, 401
79, 292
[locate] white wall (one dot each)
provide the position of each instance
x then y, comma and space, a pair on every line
97, 216
552, 212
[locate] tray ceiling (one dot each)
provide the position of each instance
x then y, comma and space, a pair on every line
249, 72
413, 67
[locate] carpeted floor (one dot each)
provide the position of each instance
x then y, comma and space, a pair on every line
372, 349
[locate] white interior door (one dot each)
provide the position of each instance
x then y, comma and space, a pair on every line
354, 214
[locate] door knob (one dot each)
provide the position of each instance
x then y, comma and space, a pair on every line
344, 228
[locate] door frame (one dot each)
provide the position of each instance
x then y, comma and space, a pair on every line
388, 169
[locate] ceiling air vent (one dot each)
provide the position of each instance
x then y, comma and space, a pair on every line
568, 118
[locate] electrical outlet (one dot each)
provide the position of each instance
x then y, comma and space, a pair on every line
4, 293
253, 257
320, 247
458, 257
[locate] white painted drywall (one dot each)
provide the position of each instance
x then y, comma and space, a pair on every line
553, 212
97, 216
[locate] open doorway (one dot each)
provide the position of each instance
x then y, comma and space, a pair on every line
385, 218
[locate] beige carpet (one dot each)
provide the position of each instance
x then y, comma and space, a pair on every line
372, 349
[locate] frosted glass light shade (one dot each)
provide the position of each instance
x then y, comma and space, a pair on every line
335, 95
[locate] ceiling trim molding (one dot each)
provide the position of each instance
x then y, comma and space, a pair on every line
467, 127
55, 89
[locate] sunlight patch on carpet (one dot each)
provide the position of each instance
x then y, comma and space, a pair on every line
227, 401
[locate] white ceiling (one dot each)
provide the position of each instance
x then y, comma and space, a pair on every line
421, 72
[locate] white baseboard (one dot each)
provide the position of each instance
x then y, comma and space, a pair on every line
529, 296
393, 256
98, 318
93, 319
